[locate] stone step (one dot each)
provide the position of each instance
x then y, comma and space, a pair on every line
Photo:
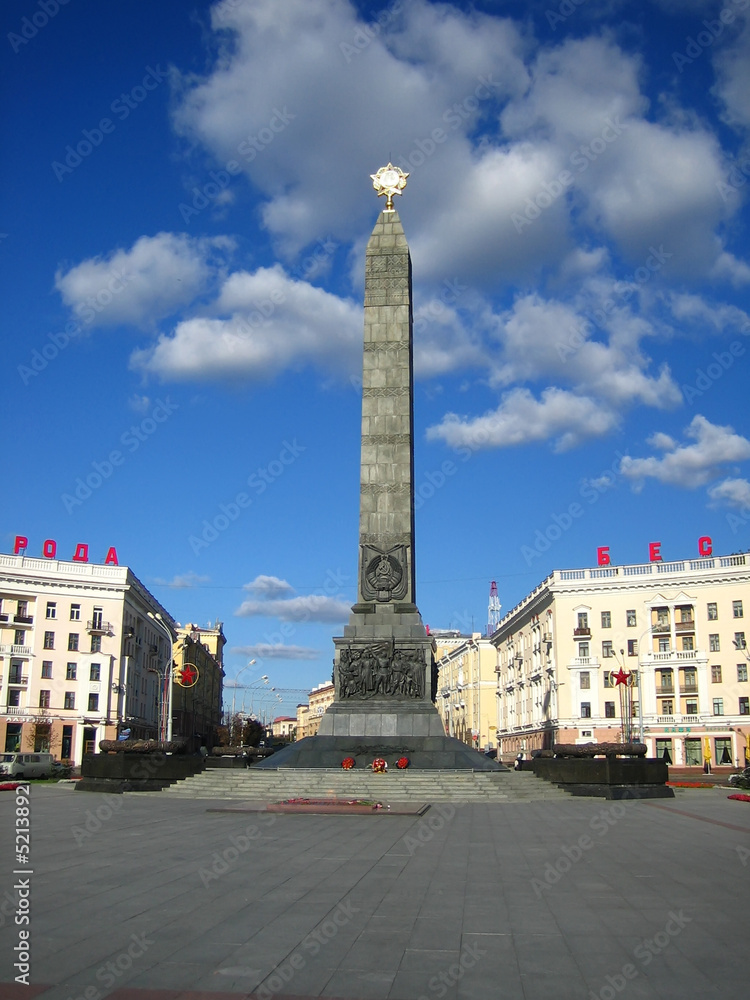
433, 786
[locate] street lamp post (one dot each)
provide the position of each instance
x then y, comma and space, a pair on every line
165, 725
250, 663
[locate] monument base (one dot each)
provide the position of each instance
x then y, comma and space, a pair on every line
382, 728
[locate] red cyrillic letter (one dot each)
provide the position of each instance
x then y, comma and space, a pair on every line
21, 543
654, 551
705, 546
49, 549
602, 555
111, 557
81, 553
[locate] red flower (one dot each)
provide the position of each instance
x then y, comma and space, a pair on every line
347, 763
402, 763
379, 766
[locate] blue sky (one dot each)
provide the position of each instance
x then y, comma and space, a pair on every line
185, 205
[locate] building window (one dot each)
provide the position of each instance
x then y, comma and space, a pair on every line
736, 609
49, 640
47, 669
75, 612
585, 709
606, 619
687, 643
13, 737
632, 647
583, 619
609, 710
607, 649
608, 679
664, 750
23, 607
51, 609
95, 672
713, 643
19, 637
70, 672
744, 706
93, 703
14, 698
712, 612
662, 616
73, 642
723, 750
693, 752
691, 707
716, 674
583, 650
667, 707
718, 706
663, 644
631, 619
686, 615
44, 699
96, 644
70, 699
585, 680
739, 640
742, 673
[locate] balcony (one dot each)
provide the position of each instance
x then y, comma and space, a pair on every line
18, 679
14, 710
98, 627
688, 626
665, 689
4, 618
582, 633
689, 688
15, 650
23, 620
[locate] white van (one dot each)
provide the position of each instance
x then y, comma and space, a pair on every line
26, 765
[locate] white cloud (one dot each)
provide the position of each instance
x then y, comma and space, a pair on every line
183, 581
690, 465
522, 419
261, 324
156, 277
269, 586
732, 63
731, 493
277, 651
716, 317
310, 608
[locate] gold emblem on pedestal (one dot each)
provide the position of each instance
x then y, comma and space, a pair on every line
389, 180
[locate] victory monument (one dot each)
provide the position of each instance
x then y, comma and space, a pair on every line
384, 670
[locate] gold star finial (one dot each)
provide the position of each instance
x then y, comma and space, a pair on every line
389, 180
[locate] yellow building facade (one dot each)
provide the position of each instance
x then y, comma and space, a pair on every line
309, 716
673, 634
196, 707
467, 685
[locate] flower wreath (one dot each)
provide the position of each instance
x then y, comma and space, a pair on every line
402, 763
347, 763
379, 766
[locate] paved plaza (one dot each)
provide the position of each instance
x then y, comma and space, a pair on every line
152, 897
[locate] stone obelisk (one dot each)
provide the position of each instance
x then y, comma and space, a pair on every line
383, 664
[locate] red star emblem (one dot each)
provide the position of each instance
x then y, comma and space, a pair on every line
621, 677
188, 675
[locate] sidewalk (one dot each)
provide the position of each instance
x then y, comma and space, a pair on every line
157, 898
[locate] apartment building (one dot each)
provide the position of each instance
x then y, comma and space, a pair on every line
83, 653
467, 684
613, 652
309, 716
197, 691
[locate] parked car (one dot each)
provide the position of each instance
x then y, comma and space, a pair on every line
26, 765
